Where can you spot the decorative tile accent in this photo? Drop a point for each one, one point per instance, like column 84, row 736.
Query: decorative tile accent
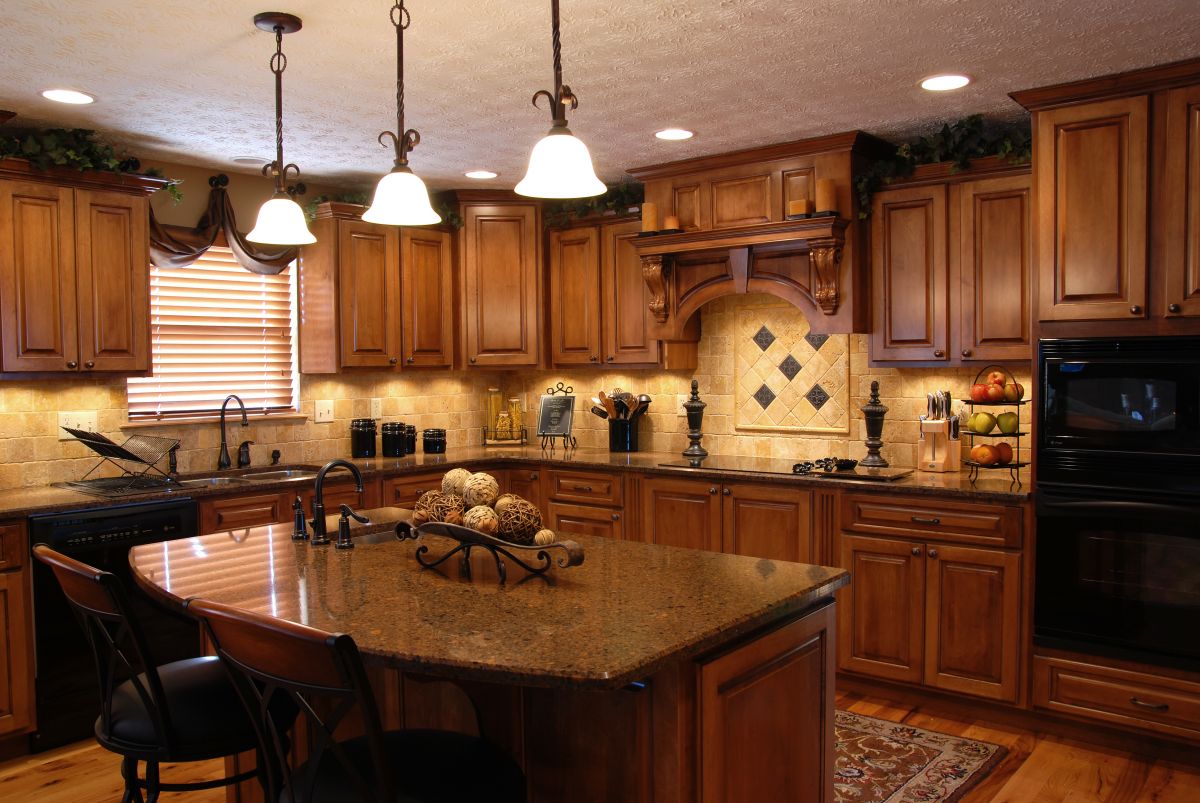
column 764, row 338
column 790, row 367
column 764, row 396
column 817, row 396
column 815, row 340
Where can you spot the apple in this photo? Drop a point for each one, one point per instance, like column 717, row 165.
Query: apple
column 995, row 393
column 1008, row 422
column 996, row 378
column 1014, row 392
column 979, row 392
column 1004, row 453
column 981, row 423
column 985, row 454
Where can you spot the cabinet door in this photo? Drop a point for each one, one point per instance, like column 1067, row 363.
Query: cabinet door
column 37, row 278
column 404, row 491
column 575, row 296
column 237, row 512
column 16, row 653
column 881, row 619
column 427, row 295
column 525, row 483
column 500, row 284
column 625, row 298
column 112, row 258
column 972, row 621
column 992, row 252
column 336, row 494
column 683, row 513
column 1090, row 172
column 584, row 519
column 909, row 272
column 765, row 521
column 368, row 294
column 1180, row 206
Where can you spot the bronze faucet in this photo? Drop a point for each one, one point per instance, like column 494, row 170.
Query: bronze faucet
column 223, row 461
column 319, row 535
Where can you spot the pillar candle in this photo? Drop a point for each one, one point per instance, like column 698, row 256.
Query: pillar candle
column 826, row 195
column 649, row 216
column 799, row 207
column 671, row 222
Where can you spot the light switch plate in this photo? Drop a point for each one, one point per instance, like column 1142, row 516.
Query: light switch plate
column 324, row 411
column 84, row 419
column 377, row 409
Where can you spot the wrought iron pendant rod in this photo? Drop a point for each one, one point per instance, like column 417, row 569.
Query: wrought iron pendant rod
column 562, row 97
column 403, row 140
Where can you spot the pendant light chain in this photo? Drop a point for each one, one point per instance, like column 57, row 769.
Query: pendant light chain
column 277, row 169
column 403, row 140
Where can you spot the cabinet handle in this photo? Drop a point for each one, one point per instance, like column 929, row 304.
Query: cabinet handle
column 410, row 360
column 712, row 491
column 471, row 360
column 72, row 365
column 924, row 520
column 966, row 352
column 1149, row 706
column 916, row 551
column 585, row 488
column 593, row 358
column 533, row 475
column 933, row 553
column 89, row 364
column 726, row 491
column 939, row 353
column 616, row 517
column 1135, row 310
column 1173, row 308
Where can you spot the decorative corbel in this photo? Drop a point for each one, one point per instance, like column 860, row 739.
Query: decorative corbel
column 825, row 254
column 655, row 276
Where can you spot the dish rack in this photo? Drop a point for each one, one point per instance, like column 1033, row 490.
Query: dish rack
column 137, row 450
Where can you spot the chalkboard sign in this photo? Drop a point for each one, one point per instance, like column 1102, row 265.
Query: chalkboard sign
column 554, row 416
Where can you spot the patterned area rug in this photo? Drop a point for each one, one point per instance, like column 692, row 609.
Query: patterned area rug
column 881, row 761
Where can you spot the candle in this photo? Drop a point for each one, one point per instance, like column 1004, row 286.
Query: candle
column 799, row 207
column 671, row 222
column 826, row 196
column 649, row 216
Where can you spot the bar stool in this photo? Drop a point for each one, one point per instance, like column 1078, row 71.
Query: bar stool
column 182, row 711
column 322, row 673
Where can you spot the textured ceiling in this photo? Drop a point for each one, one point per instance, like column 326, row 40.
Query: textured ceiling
column 188, row 82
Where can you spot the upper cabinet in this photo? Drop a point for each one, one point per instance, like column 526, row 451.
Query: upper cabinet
column 427, row 298
column 501, row 259
column 951, row 266
column 74, row 271
column 1181, row 204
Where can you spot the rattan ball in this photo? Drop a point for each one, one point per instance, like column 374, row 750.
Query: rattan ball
column 482, row 518
column 454, row 480
column 503, row 501
column 423, row 507
column 520, row 521
column 480, row 489
column 544, row 537
column 447, row 508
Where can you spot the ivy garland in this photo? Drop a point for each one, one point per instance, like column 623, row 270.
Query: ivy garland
column 443, row 207
column 78, row 148
column 959, row 142
column 618, row 200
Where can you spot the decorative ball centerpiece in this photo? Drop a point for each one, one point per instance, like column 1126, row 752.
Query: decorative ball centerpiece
column 454, row 481
column 543, row 537
column 423, row 507
column 480, row 489
column 520, row 521
column 448, row 508
column 503, row 501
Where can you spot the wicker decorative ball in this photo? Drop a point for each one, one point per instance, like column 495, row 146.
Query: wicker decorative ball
column 447, row 508
column 544, row 537
column 520, row 521
column 482, row 518
column 423, row 507
column 454, row 480
column 480, row 489
column 503, row 501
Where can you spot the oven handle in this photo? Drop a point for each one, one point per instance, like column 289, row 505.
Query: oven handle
column 1052, row 506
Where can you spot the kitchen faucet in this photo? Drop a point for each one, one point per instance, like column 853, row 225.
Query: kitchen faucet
column 319, row 535
column 223, row 461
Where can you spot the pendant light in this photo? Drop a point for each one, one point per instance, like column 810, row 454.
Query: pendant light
column 280, row 220
column 560, row 165
column 401, row 198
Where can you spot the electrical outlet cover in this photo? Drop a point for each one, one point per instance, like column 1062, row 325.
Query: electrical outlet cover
column 680, row 400
column 324, row 411
column 84, row 419
column 377, row 409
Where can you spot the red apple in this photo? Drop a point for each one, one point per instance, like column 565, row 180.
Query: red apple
column 996, row 378
column 1014, row 391
column 995, row 393
column 1004, row 453
column 979, row 392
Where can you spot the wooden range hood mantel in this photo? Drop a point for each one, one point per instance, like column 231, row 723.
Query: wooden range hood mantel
column 736, row 237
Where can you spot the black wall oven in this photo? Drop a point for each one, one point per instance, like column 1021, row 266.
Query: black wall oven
column 1118, row 500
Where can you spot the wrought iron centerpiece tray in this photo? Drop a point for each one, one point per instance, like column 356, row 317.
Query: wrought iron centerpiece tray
column 468, row 539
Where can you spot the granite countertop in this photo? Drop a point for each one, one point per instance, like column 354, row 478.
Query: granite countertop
column 629, row 610
column 990, row 487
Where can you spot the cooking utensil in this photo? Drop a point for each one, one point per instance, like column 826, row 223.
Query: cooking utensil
column 600, row 411
column 930, row 407
column 634, row 407
column 622, row 408
column 608, row 404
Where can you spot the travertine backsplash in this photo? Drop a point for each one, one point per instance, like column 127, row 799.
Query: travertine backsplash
column 31, row 454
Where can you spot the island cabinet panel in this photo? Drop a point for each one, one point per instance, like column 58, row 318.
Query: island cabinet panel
column 426, row 298
column 502, row 284
column 767, row 521
column 368, row 294
column 250, row 510
column 684, row 513
column 1179, row 210
column 1091, row 176
column 575, row 296
column 16, row 634
column 405, row 490
column 776, row 693
column 881, row 632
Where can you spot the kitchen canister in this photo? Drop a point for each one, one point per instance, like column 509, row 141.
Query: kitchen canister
column 393, row 439
column 362, row 437
column 410, row 438
column 623, row 435
column 433, row 441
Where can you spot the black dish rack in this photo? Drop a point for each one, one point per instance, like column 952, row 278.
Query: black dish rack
column 137, row 451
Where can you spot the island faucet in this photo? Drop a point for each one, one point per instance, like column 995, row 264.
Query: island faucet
column 319, row 535
column 223, row 461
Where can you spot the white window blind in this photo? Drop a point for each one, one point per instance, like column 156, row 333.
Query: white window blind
column 216, row 329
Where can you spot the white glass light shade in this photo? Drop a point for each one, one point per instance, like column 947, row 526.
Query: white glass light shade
column 560, row 167
column 401, row 199
column 281, row 222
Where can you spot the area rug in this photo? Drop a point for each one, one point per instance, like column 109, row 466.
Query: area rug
column 879, row 761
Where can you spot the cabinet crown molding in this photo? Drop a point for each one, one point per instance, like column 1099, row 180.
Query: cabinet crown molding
column 1137, row 82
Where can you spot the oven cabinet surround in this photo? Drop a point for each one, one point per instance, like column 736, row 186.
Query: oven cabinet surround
column 16, row 632
column 736, row 237
column 937, row 594
column 951, row 261
column 1117, row 202
column 373, row 296
column 74, row 271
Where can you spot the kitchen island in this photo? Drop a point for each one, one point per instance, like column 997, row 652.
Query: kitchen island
column 647, row 673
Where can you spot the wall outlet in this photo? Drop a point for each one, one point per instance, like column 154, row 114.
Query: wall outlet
column 85, row 420
column 324, row 411
column 377, row 409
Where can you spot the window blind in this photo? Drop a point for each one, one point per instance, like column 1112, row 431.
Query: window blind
column 216, row 329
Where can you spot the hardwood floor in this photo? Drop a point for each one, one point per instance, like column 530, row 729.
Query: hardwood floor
column 1039, row 768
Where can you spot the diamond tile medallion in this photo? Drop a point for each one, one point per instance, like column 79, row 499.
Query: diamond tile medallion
column 786, row 378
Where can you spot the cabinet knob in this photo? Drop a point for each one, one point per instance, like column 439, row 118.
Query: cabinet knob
column 533, row 475
column 726, row 491
column 89, row 364
column 616, row 517
column 712, row 490
column 393, row 361
column 1136, row 309
column 611, row 358
column 939, row 353
column 1173, row 308
column 471, row 360
column 966, row 352
column 933, row 553
column 916, row 551
column 593, row 358
column 72, row 365
column 410, row 360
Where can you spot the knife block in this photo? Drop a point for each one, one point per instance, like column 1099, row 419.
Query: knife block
column 935, row 451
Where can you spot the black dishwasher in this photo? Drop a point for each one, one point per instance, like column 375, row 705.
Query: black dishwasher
column 68, row 693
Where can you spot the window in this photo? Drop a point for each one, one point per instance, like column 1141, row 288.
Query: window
column 216, row 329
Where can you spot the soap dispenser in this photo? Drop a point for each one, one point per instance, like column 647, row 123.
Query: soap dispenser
column 343, row 539
column 300, row 530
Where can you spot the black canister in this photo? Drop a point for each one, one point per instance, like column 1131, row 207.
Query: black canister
column 393, row 439
column 410, row 439
column 623, row 435
column 362, row 437
column 433, row 441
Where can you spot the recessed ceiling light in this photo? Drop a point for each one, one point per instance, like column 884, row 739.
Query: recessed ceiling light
column 67, row 96
column 250, row 160
column 944, row 83
column 674, row 134
column 480, row 174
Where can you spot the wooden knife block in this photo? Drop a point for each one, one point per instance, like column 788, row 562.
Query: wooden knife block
column 935, row 451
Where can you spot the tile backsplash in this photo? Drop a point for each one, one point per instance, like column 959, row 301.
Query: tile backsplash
column 790, row 425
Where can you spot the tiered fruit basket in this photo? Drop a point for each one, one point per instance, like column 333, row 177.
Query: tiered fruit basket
column 984, row 399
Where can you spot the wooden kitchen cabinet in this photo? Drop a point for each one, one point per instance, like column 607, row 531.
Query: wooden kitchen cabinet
column 501, row 273
column 74, row 275
column 405, row 490
column 585, row 501
column 685, row 513
column 525, row 483
column 427, row 298
column 585, row 519
column 1179, row 210
column 248, row 510
column 16, row 633
column 765, row 521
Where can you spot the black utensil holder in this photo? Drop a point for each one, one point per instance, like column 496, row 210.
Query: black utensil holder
column 623, row 435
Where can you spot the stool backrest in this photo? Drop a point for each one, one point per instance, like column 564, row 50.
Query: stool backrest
column 323, row 675
column 118, row 644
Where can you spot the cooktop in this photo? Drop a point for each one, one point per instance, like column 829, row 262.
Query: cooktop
column 758, row 465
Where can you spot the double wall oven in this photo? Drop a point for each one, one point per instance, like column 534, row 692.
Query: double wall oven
column 1118, row 502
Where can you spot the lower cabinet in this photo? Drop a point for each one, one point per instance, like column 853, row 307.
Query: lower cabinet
column 16, row 632
column 585, row 502
column 584, row 519
column 525, row 483
column 249, row 510
column 405, row 490
column 684, row 513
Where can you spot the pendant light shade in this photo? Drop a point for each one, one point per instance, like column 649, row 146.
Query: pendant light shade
column 560, row 165
column 280, row 220
column 401, row 198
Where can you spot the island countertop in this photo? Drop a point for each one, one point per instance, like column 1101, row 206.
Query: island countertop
column 630, row 609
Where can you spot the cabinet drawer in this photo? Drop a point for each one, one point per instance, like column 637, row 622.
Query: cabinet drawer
column 589, row 487
column 404, row 491
column 568, row 519
column 12, row 547
column 236, row 512
column 964, row 522
column 1119, row 696
column 344, row 493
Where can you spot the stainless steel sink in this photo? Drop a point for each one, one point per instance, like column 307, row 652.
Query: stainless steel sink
column 213, row 482
column 277, row 475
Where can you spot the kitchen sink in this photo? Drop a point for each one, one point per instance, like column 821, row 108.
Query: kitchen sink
column 213, row 482
column 277, row 475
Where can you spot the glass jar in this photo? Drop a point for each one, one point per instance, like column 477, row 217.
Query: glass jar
column 517, row 415
column 493, row 403
column 393, row 439
column 362, row 437
column 410, row 438
column 433, row 441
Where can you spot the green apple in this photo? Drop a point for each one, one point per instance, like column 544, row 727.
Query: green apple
column 982, row 423
column 1008, row 423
